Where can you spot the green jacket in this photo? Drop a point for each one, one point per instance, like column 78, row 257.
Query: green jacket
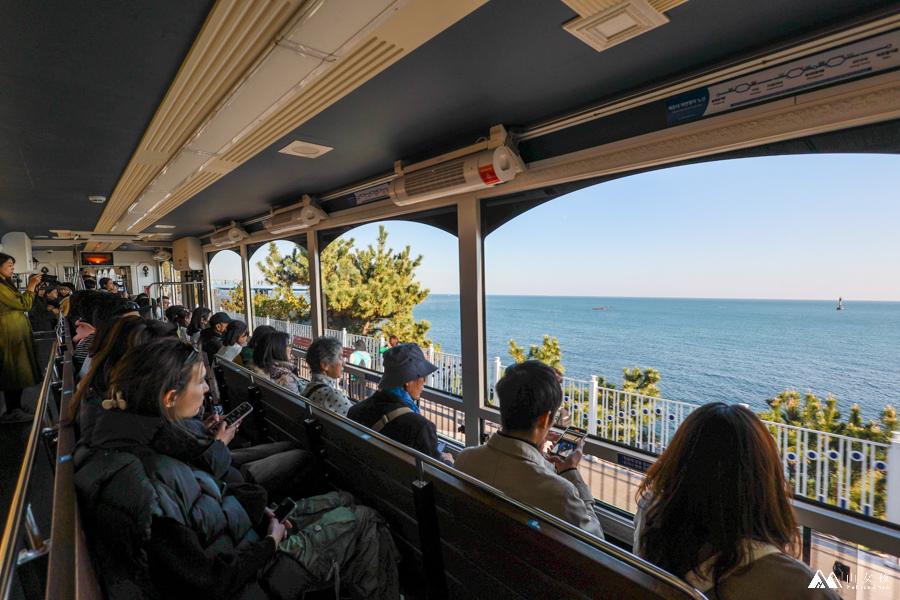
column 18, row 364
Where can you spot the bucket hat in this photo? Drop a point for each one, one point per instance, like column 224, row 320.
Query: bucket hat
column 404, row 363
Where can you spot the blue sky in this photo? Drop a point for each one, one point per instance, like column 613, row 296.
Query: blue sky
column 791, row 227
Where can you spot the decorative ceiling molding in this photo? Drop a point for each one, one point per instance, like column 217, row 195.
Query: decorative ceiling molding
column 604, row 23
column 232, row 38
column 241, row 69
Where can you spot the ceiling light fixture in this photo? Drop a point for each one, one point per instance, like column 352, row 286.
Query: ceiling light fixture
column 97, row 199
column 305, row 149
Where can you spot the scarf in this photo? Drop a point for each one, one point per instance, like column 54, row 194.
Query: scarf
column 407, row 399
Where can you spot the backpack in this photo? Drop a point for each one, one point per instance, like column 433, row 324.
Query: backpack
column 334, row 540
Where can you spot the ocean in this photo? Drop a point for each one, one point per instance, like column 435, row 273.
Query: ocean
column 705, row 350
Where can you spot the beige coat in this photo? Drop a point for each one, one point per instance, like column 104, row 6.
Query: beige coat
column 518, row 469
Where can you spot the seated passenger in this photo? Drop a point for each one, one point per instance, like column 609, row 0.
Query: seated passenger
column 512, row 460
column 326, row 363
column 211, row 337
column 393, row 410
column 180, row 317
column 163, row 529
column 199, row 320
column 233, row 339
column 108, row 310
column 271, row 359
column 247, row 351
column 715, row 510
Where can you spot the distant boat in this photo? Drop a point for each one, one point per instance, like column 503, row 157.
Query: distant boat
column 840, row 304
column 599, row 308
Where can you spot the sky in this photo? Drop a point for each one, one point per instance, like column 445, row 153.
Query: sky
column 788, row 227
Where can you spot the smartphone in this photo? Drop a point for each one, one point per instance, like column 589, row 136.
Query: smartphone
column 238, row 414
column 568, row 442
column 284, row 509
column 441, row 446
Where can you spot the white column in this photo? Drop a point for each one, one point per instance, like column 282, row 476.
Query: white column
column 344, row 340
column 471, row 314
column 892, row 493
column 248, row 293
column 592, row 406
column 316, row 298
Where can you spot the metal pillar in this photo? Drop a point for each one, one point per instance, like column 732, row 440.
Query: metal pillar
column 248, row 293
column 317, row 306
column 471, row 315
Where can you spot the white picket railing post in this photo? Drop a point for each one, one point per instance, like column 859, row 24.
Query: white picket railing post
column 892, row 493
column 344, row 342
column 429, row 354
column 592, row 405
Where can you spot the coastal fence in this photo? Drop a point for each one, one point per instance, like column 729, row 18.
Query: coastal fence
column 840, row 470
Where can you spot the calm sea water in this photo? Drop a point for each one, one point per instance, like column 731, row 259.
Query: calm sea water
column 706, row 350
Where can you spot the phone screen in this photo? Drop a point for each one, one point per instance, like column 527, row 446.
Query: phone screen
column 569, row 440
column 284, row 509
column 239, row 413
column 441, row 446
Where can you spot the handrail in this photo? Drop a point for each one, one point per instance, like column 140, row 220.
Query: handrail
column 582, row 536
column 17, row 509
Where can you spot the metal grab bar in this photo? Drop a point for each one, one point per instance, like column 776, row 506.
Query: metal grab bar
column 17, row 509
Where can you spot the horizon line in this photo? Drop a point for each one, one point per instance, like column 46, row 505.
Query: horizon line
column 663, row 297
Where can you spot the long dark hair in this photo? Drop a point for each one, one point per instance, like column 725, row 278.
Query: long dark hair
column 128, row 333
column 146, row 373
column 233, row 332
column 718, row 484
column 196, row 324
column 271, row 349
column 8, row 281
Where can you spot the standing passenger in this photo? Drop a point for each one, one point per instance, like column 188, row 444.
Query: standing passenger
column 18, row 364
column 715, row 510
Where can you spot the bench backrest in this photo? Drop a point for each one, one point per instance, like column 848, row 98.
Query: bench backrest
column 464, row 539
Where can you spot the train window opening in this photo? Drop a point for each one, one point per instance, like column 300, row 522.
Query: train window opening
column 397, row 282
column 279, row 284
column 226, row 283
column 658, row 292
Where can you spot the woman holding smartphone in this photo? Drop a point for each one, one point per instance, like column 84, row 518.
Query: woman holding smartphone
column 165, row 529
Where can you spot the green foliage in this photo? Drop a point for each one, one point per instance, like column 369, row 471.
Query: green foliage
column 281, row 306
column 369, row 291
column 548, row 353
column 813, row 413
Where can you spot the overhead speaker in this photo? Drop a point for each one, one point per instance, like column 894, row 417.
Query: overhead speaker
column 187, row 254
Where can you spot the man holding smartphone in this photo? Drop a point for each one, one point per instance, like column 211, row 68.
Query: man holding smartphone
column 513, row 461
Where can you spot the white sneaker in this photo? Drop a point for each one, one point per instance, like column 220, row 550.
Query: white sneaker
column 16, row 415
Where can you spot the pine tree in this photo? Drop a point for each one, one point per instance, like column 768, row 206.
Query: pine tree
column 548, row 353
column 369, row 291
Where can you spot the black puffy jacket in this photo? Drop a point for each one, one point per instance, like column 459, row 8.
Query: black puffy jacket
column 136, row 470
